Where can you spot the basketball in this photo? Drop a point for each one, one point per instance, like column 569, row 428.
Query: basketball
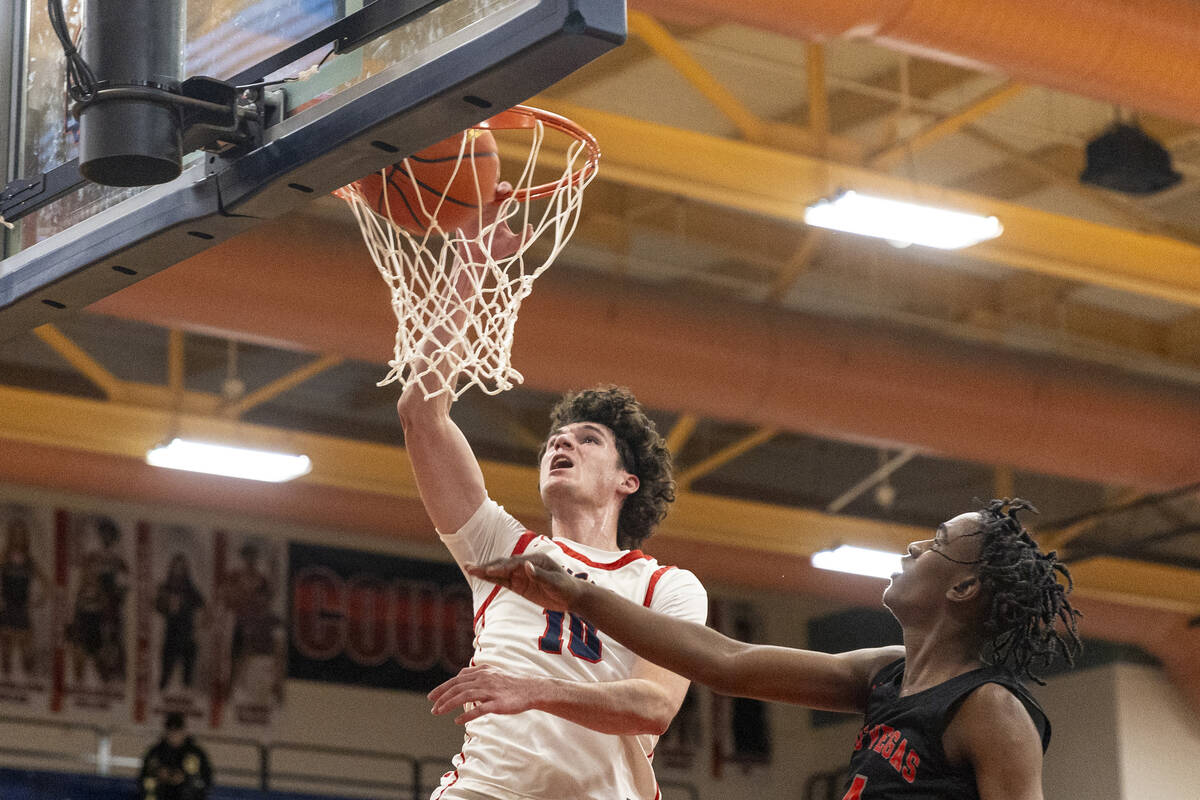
column 411, row 191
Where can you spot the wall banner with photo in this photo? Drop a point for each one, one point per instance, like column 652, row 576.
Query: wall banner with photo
column 249, row 634
column 175, row 663
column 28, row 608
column 368, row 619
column 94, row 556
column 114, row 619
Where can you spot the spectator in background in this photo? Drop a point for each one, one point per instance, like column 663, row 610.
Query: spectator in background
column 176, row 768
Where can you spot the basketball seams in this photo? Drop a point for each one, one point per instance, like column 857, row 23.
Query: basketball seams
column 426, row 187
column 384, row 209
column 443, row 159
column 437, row 186
column 431, row 190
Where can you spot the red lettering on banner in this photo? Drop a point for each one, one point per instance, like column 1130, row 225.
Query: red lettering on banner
column 913, row 761
column 318, row 613
column 367, row 616
column 418, row 640
column 418, row 623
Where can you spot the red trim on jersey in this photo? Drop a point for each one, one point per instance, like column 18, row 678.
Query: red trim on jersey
column 483, row 606
column 523, row 542
column 442, row 789
column 628, row 558
column 658, row 573
column 518, row 548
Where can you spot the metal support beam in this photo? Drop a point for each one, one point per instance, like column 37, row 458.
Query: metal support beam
column 680, row 432
column 724, row 456
column 750, row 126
column 1137, row 217
column 660, row 40
column 176, row 362
column 942, row 128
column 278, row 386
column 878, row 476
column 818, row 97
column 83, row 363
column 781, row 184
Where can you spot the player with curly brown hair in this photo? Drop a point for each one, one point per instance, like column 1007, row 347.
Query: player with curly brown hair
column 946, row 716
column 554, row 709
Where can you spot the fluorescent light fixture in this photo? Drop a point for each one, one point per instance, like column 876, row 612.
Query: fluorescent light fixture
column 233, row 462
column 858, row 561
column 902, row 223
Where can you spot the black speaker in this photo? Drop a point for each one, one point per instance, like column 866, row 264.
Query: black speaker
column 1125, row 159
column 132, row 44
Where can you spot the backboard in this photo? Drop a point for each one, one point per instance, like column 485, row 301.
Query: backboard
column 394, row 76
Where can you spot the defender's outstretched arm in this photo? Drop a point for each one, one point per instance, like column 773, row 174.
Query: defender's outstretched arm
column 819, row 680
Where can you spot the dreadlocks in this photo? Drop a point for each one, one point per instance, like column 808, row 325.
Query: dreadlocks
column 1026, row 598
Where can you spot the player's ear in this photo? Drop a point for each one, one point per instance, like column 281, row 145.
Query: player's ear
column 629, row 484
column 965, row 590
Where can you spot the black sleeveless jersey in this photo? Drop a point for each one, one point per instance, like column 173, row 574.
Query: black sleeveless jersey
column 898, row 752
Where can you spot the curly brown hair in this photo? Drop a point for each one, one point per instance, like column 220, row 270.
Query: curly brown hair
column 640, row 448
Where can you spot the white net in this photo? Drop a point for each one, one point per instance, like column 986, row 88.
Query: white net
column 456, row 301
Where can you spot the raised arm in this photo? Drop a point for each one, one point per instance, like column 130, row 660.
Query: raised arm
column 819, row 680
column 447, row 473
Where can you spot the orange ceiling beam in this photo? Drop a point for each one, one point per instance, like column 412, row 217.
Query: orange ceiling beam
column 1144, row 54
column 305, row 286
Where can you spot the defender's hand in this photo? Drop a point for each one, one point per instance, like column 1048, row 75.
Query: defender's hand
column 535, row 577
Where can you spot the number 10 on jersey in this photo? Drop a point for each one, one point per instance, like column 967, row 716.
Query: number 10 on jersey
column 584, row 641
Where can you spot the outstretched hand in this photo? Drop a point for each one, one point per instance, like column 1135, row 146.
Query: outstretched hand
column 535, row 577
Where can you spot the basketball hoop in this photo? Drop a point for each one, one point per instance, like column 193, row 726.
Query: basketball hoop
column 446, row 286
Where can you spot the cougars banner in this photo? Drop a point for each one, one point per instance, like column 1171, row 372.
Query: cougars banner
column 374, row 620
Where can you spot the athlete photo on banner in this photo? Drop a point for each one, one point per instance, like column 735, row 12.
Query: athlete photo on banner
column 174, row 654
column 97, row 553
column 248, row 632
column 26, row 607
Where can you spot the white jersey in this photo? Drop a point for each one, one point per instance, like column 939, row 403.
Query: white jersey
column 535, row 755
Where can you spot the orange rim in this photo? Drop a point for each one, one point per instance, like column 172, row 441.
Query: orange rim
column 519, row 117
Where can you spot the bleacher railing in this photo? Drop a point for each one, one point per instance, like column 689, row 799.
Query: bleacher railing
column 283, row 766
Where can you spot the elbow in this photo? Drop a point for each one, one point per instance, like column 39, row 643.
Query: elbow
column 658, row 719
